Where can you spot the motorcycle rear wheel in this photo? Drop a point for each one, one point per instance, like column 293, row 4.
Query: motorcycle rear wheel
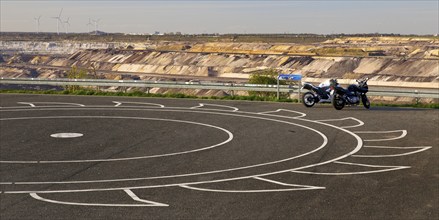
column 338, row 102
column 365, row 101
column 308, row 99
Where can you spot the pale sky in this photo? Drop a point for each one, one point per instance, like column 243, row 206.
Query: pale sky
column 227, row 16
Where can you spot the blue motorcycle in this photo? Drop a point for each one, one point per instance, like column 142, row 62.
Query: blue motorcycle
column 350, row 96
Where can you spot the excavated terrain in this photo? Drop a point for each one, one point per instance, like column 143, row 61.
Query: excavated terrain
column 235, row 65
column 396, row 60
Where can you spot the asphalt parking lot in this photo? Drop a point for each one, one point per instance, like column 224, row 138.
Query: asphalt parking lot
column 76, row 157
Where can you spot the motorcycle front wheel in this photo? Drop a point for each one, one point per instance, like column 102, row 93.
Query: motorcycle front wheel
column 308, row 99
column 365, row 101
column 338, row 102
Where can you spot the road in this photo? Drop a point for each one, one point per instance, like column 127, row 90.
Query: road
column 76, row 157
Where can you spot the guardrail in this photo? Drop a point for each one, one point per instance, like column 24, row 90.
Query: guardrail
column 147, row 84
column 404, row 92
column 373, row 91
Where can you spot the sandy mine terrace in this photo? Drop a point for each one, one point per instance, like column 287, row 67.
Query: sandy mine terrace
column 90, row 157
column 390, row 59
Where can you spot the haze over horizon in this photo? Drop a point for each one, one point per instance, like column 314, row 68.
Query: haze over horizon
column 251, row 16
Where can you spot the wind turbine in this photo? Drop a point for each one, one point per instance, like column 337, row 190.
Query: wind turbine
column 96, row 25
column 58, row 20
column 88, row 25
column 67, row 23
column 37, row 22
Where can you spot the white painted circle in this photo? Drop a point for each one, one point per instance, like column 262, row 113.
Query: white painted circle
column 248, row 115
column 66, row 135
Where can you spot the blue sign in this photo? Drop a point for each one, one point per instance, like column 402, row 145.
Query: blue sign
column 296, row 77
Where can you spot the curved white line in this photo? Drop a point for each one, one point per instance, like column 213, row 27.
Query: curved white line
column 224, row 106
column 179, row 109
column 285, row 184
column 420, row 149
column 325, row 141
column 39, row 107
column 363, row 165
column 230, row 138
column 285, row 110
column 27, row 103
column 148, row 203
column 136, row 198
column 32, row 104
column 198, row 106
column 140, row 103
column 355, row 150
column 249, row 191
column 390, row 168
column 360, row 123
column 352, row 173
column 403, row 134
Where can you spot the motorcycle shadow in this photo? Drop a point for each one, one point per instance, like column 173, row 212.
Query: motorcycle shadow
column 388, row 108
column 372, row 108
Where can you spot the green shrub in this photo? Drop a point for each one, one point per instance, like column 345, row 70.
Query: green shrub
column 266, row 77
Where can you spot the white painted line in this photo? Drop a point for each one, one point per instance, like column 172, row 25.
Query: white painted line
column 27, row 103
column 136, row 198
column 230, row 179
column 386, row 169
column 146, row 202
column 272, row 181
column 403, row 134
column 420, row 149
column 287, row 184
column 252, row 115
column 250, row 191
column 66, row 135
column 178, row 109
column 224, row 106
column 32, row 104
column 230, row 138
column 363, row 165
column 16, row 108
column 119, row 103
column 285, row 110
column 360, row 123
column 198, row 106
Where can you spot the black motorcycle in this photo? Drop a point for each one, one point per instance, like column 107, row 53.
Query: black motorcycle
column 316, row 94
column 350, row 96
